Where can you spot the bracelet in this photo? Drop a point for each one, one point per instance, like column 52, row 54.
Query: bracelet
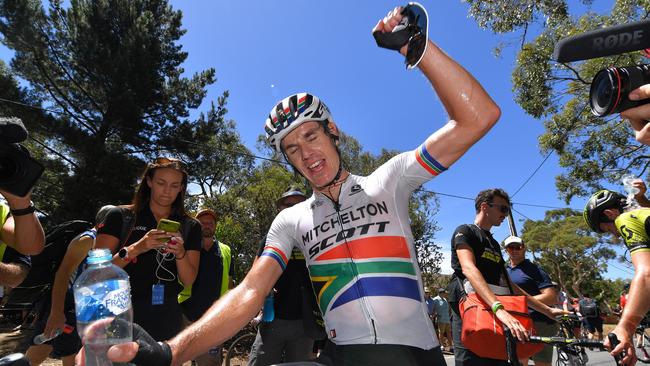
column 496, row 306
column 23, row 211
column 184, row 254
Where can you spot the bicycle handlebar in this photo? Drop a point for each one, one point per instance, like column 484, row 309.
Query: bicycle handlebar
column 561, row 341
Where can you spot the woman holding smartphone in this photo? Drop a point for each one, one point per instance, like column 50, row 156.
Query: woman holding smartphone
column 155, row 259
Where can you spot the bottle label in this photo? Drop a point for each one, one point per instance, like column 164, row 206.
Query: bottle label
column 102, row 300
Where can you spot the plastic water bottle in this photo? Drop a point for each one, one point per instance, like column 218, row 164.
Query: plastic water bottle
column 268, row 312
column 102, row 297
column 630, row 189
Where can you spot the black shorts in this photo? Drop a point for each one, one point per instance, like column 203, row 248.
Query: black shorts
column 379, row 355
column 66, row 344
column 594, row 324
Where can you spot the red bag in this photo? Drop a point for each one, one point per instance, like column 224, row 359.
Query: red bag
column 482, row 331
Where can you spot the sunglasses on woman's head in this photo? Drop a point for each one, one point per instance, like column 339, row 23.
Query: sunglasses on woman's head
column 164, row 161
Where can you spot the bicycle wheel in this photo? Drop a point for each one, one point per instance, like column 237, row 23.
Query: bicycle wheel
column 642, row 348
column 238, row 351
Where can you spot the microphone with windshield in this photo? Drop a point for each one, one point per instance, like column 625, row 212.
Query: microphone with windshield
column 610, row 87
column 604, row 42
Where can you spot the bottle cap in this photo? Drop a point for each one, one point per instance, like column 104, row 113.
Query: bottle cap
column 99, row 256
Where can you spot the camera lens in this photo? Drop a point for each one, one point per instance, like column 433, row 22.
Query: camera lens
column 605, row 93
column 611, row 86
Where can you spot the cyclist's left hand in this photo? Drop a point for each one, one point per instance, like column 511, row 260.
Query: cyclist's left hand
column 625, row 344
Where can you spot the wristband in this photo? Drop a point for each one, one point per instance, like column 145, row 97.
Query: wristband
column 496, row 306
column 23, row 211
column 184, row 254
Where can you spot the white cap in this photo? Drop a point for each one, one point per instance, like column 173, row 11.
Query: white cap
column 512, row 240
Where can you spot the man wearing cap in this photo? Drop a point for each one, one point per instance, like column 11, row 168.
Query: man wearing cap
column 441, row 309
column 535, row 281
column 213, row 279
column 293, row 330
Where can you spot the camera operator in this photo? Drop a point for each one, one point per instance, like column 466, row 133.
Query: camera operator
column 639, row 116
column 21, row 229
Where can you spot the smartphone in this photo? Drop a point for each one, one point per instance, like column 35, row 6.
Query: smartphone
column 168, row 226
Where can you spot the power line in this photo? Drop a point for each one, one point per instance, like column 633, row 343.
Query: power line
column 517, row 203
column 283, row 162
column 547, row 156
column 30, row 106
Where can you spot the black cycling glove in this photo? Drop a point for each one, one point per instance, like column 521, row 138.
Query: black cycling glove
column 150, row 353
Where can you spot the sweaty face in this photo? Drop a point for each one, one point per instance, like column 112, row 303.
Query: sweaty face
column 165, row 186
column 311, row 151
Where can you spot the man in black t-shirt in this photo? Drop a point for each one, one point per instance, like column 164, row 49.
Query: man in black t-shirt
column 293, row 301
column 479, row 267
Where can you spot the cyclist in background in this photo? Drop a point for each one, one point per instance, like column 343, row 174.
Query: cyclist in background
column 593, row 321
column 606, row 212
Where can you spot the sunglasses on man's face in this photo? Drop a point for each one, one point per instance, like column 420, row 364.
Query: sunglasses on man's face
column 503, row 208
column 515, row 247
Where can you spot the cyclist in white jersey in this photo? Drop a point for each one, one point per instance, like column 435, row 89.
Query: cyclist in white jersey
column 354, row 231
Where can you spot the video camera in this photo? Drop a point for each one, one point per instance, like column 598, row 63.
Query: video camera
column 18, row 170
column 610, row 87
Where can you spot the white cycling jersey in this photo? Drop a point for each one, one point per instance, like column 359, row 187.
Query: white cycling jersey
column 360, row 254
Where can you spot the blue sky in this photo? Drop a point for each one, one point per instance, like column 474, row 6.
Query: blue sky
column 265, row 50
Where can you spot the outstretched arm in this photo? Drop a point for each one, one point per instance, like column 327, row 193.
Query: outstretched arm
column 637, row 306
column 226, row 316
column 471, row 110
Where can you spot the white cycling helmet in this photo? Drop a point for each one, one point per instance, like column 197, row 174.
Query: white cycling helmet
column 290, row 113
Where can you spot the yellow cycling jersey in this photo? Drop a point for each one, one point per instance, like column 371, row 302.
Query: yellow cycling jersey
column 633, row 227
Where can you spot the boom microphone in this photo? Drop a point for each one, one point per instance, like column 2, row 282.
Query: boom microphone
column 604, row 42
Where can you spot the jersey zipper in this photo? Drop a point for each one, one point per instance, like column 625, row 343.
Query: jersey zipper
column 364, row 306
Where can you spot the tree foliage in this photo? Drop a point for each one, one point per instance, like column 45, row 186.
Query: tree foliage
column 568, row 251
column 592, row 150
column 110, row 72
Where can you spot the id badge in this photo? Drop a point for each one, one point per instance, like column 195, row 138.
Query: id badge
column 157, row 294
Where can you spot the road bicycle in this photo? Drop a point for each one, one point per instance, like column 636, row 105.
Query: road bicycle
column 570, row 354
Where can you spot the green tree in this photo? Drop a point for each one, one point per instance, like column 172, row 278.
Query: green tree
column 110, row 70
column 592, row 150
column 567, row 250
